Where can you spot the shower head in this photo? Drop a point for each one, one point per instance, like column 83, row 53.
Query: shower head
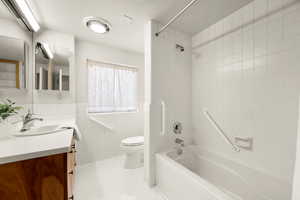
column 180, row 48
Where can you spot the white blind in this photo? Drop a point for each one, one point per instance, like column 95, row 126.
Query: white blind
column 111, row 88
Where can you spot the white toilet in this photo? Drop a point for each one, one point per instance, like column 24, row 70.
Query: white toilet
column 134, row 150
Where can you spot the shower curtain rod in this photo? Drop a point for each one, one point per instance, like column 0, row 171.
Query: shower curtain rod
column 176, row 16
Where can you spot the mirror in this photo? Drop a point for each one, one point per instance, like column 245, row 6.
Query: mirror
column 52, row 68
column 13, row 62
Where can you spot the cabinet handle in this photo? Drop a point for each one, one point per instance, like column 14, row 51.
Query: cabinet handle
column 72, row 197
column 71, row 172
column 73, row 146
column 73, row 151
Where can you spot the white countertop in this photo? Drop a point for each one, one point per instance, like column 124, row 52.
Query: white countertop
column 15, row 149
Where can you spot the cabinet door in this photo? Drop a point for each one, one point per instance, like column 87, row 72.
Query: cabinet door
column 12, row 183
column 35, row 179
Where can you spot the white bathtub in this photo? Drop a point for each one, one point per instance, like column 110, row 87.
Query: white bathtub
column 200, row 175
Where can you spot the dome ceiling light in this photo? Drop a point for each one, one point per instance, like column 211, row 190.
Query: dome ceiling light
column 97, row 25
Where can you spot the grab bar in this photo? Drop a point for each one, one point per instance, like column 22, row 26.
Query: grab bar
column 220, row 131
column 163, row 118
column 101, row 123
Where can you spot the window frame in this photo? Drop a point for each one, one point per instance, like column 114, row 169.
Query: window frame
column 115, row 66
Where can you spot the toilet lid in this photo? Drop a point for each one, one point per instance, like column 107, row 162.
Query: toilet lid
column 133, row 141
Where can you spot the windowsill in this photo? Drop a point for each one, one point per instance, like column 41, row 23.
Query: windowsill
column 16, row 90
column 52, row 91
column 112, row 113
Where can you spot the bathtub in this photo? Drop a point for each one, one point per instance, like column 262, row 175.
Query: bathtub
column 201, row 175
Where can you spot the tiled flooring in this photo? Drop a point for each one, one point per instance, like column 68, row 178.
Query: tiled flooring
column 107, row 180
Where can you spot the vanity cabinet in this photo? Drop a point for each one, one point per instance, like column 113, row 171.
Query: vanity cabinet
column 43, row 178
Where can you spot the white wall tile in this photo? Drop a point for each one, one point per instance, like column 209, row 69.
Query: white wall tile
column 253, row 88
column 248, row 43
column 260, row 8
column 247, row 13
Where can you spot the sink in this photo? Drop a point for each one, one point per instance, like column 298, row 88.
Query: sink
column 41, row 130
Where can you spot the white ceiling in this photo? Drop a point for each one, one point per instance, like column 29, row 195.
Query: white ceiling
column 4, row 13
column 66, row 16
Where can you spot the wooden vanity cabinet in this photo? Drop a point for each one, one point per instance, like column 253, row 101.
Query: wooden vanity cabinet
column 44, row 178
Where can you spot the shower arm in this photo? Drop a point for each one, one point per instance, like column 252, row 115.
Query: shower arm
column 220, row 131
column 176, row 16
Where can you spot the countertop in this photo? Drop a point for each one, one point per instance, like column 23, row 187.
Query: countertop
column 14, row 149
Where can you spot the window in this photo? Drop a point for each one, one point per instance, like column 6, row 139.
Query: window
column 111, row 88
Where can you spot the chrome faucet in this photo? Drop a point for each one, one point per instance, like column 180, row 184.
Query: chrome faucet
column 26, row 121
column 179, row 141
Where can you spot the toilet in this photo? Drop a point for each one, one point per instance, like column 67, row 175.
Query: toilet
column 134, row 150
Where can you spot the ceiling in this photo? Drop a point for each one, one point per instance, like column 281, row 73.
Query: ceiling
column 4, row 13
column 66, row 16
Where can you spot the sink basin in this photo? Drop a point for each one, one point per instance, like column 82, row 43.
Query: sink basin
column 42, row 130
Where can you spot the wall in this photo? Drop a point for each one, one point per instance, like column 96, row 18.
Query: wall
column 14, row 30
column 296, row 184
column 168, row 79
column 99, row 142
column 246, row 73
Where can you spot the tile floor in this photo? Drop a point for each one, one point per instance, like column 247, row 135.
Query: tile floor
column 107, row 180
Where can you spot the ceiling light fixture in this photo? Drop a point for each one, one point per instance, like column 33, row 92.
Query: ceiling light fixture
column 97, row 25
column 23, row 13
column 45, row 50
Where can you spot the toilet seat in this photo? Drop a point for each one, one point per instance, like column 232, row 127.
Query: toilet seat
column 133, row 141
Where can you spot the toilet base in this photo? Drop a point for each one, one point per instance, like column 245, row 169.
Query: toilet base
column 134, row 160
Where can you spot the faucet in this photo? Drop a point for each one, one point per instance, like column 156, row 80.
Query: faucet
column 180, row 144
column 179, row 141
column 26, row 121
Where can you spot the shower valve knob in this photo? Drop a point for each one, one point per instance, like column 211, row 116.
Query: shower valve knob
column 177, row 128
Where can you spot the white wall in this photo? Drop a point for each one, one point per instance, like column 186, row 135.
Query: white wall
column 246, row 73
column 168, row 79
column 98, row 142
column 296, row 185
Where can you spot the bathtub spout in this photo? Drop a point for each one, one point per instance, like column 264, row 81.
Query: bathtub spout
column 180, row 144
column 179, row 151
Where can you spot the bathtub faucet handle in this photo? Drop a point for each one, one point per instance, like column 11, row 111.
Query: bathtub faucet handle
column 179, row 141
